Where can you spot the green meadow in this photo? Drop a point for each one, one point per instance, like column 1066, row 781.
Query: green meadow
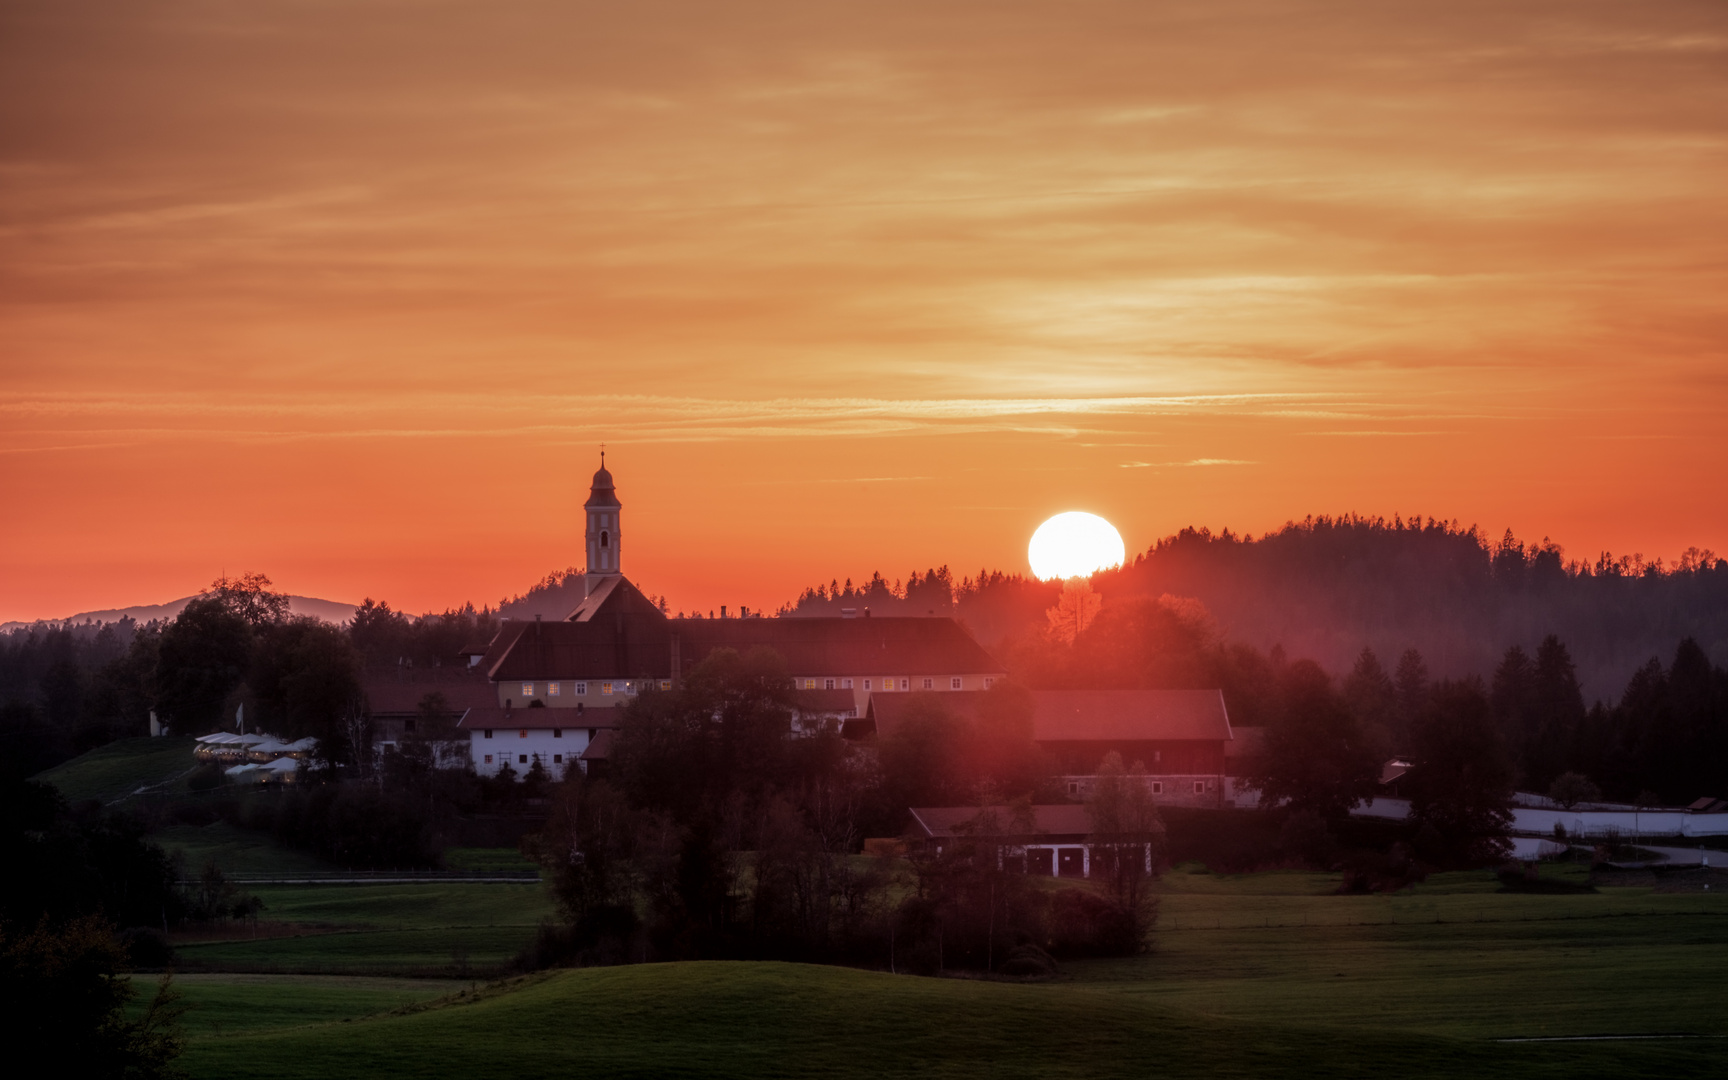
column 120, row 768
column 1253, row 975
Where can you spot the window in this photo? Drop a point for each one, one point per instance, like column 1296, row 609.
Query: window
column 1157, row 787
column 866, row 684
column 528, row 690
column 905, row 684
column 488, row 735
column 408, row 724
column 557, row 733
column 1199, row 787
column 954, row 683
column 665, row 684
column 809, row 684
column 846, row 684
column 929, row 684
column 1073, row 787
column 557, row 759
column 581, row 689
column 488, row 759
column 522, row 759
column 553, row 688
column 523, row 734
column 989, row 682
column 828, row 684
column 605, row 540
column 605, row 688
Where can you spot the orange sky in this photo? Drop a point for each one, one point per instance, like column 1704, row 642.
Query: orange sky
column 349, row 292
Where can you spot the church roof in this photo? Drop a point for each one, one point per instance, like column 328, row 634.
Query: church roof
column 618, row 633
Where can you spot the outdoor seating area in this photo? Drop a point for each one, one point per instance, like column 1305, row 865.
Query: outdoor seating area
column 256, row 757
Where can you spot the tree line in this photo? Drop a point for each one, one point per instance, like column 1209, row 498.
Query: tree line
column 1325, row 587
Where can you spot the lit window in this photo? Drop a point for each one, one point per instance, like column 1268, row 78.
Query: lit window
column 557, row 759
column 846, row 684
column 809, row 684
column 954, row 683
column 528, row 690
column 557, row 733
column 581, row 689
column 605, row 688
column 929, row 684
column 552, row 689
column 665, row 684
column 488, row 759
column 829, row 685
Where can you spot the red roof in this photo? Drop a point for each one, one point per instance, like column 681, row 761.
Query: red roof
column 498, row 719
column 889, row 711
column 1129, row 716
column 386, row 695
column 601, row 748
column 859, row 647
column 1055, row 819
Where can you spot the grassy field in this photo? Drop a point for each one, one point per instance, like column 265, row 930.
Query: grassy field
column 783, row 1020
column 118, row 769
column 380, row 929
column 1256, row 975
column 237, row 851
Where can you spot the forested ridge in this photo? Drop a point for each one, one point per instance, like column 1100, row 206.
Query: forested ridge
column 1327, row 587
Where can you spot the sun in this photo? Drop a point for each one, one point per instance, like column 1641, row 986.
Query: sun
column 1075, row 544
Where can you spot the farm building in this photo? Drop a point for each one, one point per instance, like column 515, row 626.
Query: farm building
column 1056, row 840
column 1182, row 738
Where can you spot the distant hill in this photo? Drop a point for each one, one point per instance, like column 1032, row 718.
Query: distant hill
column 328, row 610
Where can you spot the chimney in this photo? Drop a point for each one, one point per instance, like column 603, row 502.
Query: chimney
column 866, row 613
column 722, row 611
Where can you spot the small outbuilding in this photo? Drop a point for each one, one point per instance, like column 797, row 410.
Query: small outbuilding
column 1054, row 840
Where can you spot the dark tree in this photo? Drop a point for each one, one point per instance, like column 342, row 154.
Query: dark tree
column 203, row 657
column 1412, row 681
column 306, row 682
column 1372, row 695
column 63, row 986
column 1316, row 755
column 1460, row 782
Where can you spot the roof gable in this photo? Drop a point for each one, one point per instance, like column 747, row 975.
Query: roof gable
column 1129, row 716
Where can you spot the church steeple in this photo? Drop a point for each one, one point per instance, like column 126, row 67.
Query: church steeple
column 603, row 531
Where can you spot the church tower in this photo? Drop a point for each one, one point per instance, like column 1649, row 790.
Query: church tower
column 603, row 531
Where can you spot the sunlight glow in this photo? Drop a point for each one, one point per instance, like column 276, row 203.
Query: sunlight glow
column 1075, row 544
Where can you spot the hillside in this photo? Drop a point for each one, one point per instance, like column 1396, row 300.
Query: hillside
column 122, row 767
column 785, row 1020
